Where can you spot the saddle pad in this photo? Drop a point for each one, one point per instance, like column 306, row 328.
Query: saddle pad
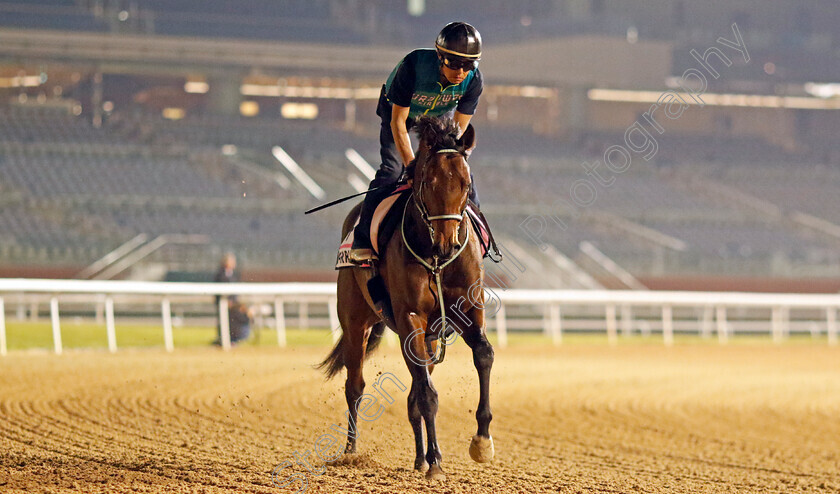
column 386, row 219
column 381, row 226
column 342, row 260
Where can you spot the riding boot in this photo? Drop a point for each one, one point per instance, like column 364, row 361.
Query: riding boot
column 362, row 251
column 472, row 195
column 379, row 296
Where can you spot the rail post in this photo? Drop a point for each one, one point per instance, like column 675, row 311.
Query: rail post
column 56, row 326
column 109, row 324
column 612, row 334
column 166, row 313
column 224, row 323
column 280, row 321
column 706, row 322
column 626, row 320
column 722, row 330
column 776, row 324
column 501, row 326
column 555, row 323
column 667, row 325
column 831, row 324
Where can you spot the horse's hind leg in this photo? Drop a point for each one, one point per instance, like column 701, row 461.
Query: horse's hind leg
column 356, row 319
column 354, row 387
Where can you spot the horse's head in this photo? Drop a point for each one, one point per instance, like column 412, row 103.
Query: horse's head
column 442, row 180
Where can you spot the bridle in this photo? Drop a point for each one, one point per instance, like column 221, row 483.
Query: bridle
column 436, row 266
column 424, row 212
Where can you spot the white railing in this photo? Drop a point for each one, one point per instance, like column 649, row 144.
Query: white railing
column 713, row 305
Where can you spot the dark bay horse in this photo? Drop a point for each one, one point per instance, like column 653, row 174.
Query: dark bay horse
column 435, row 230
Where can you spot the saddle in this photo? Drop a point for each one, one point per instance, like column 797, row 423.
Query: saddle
column 383, row 224
column 386, row 219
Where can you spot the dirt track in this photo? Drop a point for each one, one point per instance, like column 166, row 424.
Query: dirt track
column 581, row 418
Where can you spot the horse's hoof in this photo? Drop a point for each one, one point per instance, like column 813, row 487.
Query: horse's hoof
column 435, row 473
column 482, row 449
column 420, row 465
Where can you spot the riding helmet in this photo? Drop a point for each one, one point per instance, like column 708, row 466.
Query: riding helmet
column 459, row 41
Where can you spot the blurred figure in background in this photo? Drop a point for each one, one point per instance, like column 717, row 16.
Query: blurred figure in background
column 240, row 317
column 226, row 274
column 227, row 270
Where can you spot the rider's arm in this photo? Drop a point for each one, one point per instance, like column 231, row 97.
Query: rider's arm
column 399, row 114
column 466, row 106
column 462, row 120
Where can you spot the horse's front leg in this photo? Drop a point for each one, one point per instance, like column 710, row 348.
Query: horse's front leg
column 415, row 417
column 481, row 446
column 423, row 398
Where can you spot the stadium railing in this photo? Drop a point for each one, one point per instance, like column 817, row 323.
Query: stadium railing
column 712, row 305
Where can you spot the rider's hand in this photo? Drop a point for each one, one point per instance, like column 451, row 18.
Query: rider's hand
column 408, row 172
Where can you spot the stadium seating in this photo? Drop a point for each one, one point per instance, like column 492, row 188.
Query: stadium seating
column 73, row 192
column 807, row 188
column 49, row 14
column 56, row 175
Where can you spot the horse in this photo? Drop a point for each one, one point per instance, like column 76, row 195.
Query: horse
column 432, row 241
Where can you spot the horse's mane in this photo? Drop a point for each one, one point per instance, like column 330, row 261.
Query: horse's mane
column 438, row 133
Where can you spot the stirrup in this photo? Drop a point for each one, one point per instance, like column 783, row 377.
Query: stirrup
column 362, row 256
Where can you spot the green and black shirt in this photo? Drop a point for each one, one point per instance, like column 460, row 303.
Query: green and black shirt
column 415, row 83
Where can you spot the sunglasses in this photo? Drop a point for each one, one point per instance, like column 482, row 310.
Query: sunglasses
column 461, row 63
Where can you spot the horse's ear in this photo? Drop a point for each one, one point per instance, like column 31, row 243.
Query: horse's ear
column 467, row 139
column 424, row 127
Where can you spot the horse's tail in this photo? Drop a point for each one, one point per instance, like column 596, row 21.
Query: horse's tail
column 334, row 362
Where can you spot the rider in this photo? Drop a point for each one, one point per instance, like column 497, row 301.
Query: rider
column 426, row 82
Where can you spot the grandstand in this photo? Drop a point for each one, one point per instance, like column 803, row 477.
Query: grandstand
column 661, row 178
column 84, row 191
column 91, row 158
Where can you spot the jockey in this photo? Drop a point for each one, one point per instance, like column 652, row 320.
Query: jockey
column 426, row 82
